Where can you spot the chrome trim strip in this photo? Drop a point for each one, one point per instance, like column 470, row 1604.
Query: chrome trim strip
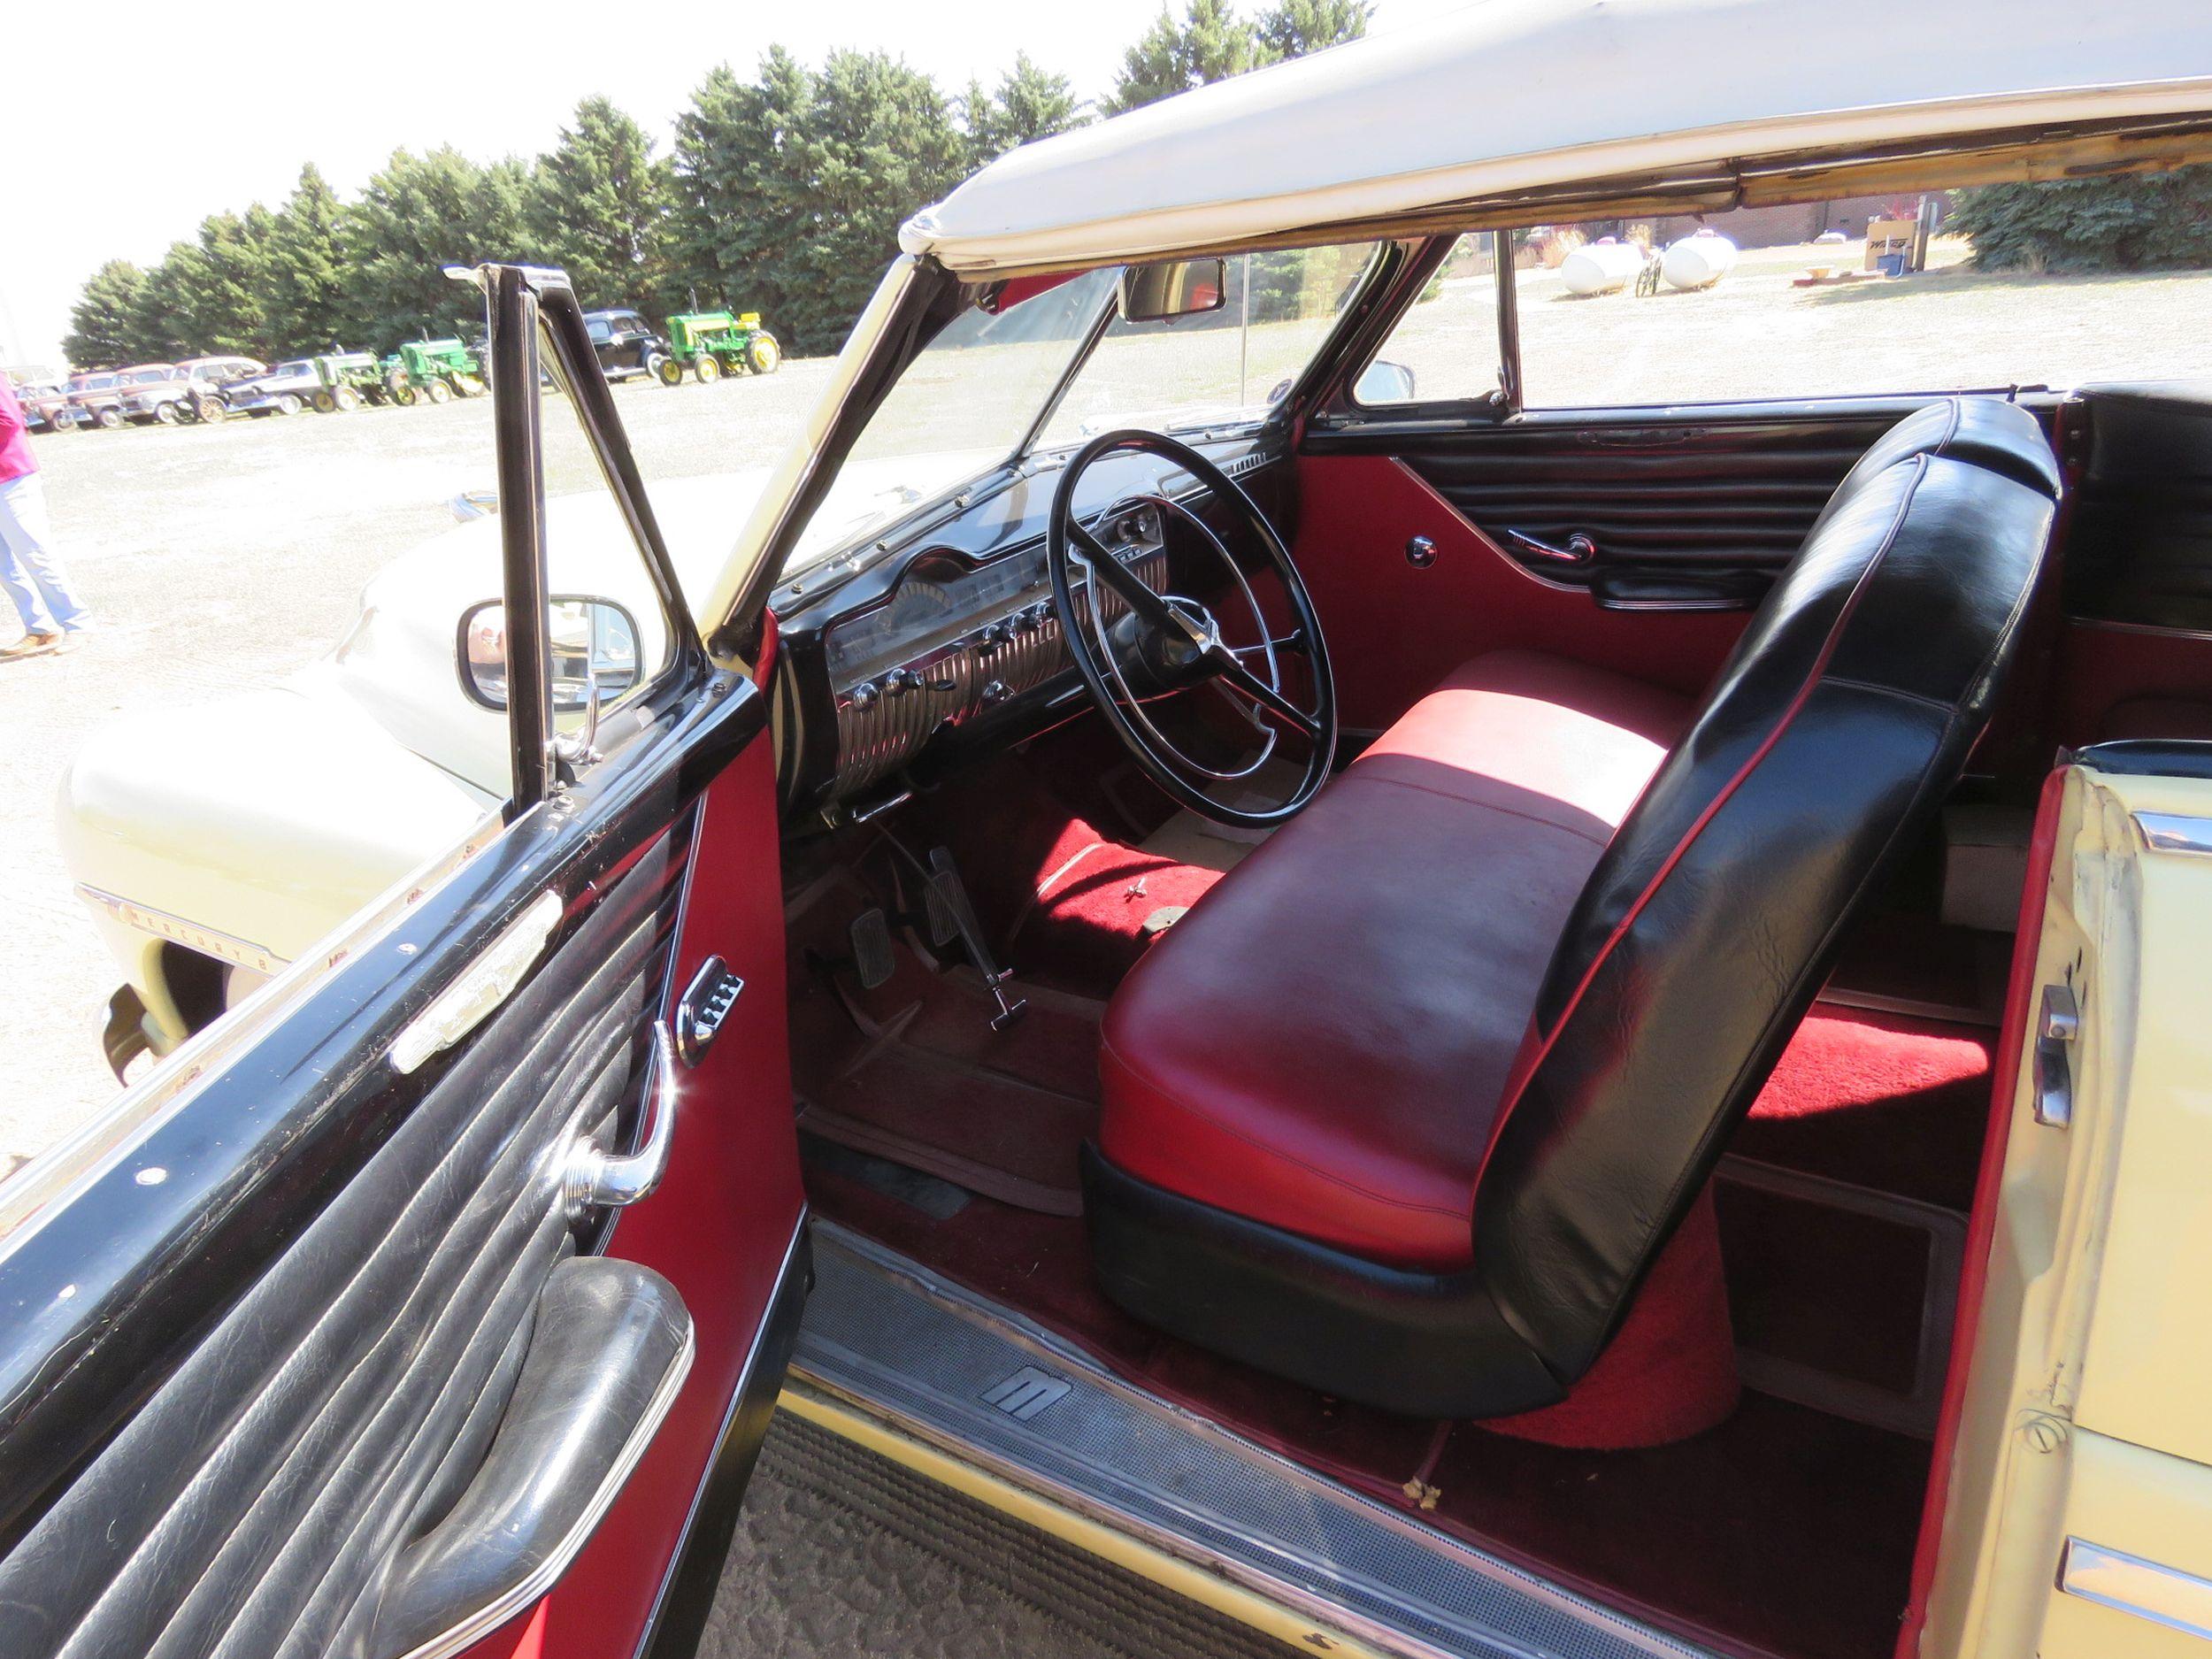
column 2129, row 1583
column 211, row 941
column 2175, row 832
column 490, row 1616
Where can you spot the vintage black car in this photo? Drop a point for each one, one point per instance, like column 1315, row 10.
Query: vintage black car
column 627, row 344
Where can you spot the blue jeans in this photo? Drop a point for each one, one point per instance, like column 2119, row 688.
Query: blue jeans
column 28, row 569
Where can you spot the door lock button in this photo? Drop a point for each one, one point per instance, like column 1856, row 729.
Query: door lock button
column 706, row 1004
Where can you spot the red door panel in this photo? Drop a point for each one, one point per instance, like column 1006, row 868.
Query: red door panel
column 1395, row 629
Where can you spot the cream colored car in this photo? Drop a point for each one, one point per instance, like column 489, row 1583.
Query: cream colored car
column 1550, row 1006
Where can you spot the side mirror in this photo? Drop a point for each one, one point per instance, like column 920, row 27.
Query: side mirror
column 1174, row 287
column 594, row 644
column 1384, row 382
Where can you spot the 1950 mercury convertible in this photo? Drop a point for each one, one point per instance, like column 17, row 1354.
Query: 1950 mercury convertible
column 1455, row 1012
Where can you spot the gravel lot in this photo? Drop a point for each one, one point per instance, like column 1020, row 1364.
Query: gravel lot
column 218, row 558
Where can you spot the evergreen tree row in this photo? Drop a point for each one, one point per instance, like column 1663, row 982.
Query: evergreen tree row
column 781, row 194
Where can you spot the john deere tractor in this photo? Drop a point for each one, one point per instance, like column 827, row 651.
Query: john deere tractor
column 712, row 344
column 349, row 379
column 437, row 370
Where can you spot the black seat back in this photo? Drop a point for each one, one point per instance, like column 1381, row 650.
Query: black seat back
column 1826, row 744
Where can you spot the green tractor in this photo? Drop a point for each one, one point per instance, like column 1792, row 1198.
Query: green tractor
column 349, row 379
column 712, row 344
column 437, row 370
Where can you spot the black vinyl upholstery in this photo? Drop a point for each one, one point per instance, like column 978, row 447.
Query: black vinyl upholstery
column 1826, row 744
column 258, row 1500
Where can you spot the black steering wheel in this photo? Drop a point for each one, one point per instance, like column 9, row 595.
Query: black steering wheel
column 1135, row 645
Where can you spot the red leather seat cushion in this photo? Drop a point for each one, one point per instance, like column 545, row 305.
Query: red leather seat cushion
column 1321, row 1044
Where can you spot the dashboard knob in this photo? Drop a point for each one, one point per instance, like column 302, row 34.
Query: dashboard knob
column 997, row 691
column 898, row 682
column 994, row 634
column 864, row 695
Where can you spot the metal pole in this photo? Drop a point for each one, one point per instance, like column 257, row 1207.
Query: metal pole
column 1244, row 331
column 1508, row 322
column 521, row 469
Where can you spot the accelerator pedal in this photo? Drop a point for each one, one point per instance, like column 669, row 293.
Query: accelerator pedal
column 871, row 936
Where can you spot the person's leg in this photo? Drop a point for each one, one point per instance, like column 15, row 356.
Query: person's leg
column 22, row 589
column 23, row 500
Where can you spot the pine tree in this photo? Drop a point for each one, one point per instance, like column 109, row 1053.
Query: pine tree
column 207, row 296
column 1211, row 44
column 742, row 201
column 1030, row 104
column 306, row 299
column 598, row 207
column 2124, row 222
column 1291, row 28
column 107, row 325
column 879, row 143
column 417, row 215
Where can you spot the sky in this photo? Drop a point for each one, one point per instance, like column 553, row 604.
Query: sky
column 129, row 130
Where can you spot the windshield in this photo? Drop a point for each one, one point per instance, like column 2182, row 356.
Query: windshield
column 968, row 400
column 962, row 406
column 1220, row 367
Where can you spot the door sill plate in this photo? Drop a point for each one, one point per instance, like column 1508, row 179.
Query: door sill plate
column 940, row 1364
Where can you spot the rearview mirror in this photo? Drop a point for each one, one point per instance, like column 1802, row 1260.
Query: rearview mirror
column 1174, row 287
column 594, row 644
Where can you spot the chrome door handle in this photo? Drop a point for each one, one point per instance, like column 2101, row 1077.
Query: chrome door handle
column 1579, row 549
column 597, row 1177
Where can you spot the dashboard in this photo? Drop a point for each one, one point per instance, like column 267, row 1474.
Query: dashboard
column 941, row 638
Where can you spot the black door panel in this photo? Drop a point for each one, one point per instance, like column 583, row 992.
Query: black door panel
column 312, row 1422
column 2139, row 548
column 1714, row 506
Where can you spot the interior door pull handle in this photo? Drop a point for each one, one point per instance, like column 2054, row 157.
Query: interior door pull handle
column 596, row 1177
column 1579, row 549
column 609, row 1348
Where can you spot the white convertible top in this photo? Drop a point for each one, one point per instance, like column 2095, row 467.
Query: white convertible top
column 1518, row 95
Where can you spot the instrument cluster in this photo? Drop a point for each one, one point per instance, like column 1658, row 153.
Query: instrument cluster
column 956, row 639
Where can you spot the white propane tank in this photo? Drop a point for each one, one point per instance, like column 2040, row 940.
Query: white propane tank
column 1699, row 260
column 1601, row 267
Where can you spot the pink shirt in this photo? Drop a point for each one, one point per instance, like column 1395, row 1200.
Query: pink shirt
column 15, row 459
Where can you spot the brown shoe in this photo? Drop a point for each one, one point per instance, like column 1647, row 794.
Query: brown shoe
column 32, row 645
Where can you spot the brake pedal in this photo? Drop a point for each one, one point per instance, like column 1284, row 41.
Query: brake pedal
column 871, row 936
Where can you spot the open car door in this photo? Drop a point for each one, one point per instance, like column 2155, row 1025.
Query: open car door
column 437, row 1301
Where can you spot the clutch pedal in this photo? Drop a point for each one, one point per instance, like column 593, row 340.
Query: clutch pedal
column 871, row 936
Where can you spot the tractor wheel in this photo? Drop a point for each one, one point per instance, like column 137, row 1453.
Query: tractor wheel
column 109, row 418
column 763, row 355
column 670, row 370
column 326, row 402
column 345, row 400
column 654, row 365
column 289, row 405
column 213, row 410
column 165, row 414
column 402, row 390
column 439, row 392
column 708, row 368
